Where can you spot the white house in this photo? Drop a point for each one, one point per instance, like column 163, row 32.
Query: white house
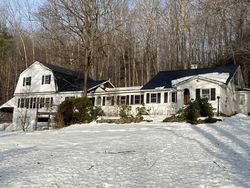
column 42, row 87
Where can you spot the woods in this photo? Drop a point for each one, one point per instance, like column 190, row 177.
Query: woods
column 124, row 40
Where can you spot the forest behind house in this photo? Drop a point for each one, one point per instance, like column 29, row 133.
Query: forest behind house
column 128, row 41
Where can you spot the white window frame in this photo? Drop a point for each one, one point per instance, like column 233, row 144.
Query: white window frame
column 206, row 95
column 174, row 93
column 123, row 100
column 27, row 81
column 46, row 79
column 153, row 99
column 209, row 95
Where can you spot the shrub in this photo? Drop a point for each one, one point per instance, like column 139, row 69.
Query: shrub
column 197, row 108
column 79, row 110
column 206, row 109
column 125, row 111
column 192, row 112
column 140, row 111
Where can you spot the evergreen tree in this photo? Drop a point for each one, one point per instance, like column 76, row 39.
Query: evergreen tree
column 5, row 43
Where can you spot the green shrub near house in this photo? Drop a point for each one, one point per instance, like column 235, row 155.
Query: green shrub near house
column 194, row 110
column 126, row 116
column 78, row 110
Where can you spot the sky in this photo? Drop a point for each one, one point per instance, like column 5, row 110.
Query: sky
column 21, row 10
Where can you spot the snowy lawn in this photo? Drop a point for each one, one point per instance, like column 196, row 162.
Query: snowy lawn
column 136, row 155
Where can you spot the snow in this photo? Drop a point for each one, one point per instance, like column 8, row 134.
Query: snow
column 154, row 154
column 219, row 77
column 124, row 88
column 9, row 104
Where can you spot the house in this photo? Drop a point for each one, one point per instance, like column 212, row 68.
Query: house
column 39, row 90
column 42, row 87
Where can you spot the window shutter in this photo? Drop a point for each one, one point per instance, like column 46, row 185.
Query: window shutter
column 198, row 93
column 49, row 79
column 147, row 101
column 24, row 81
column 158, row 97
column 51, row 101
column 103, row 101
column 43, row 80
column 132, row 99
column 166, row 97
column 118, row 100
column 127, row 99
column 30, row 81
column 142, row 99
column 213, row 94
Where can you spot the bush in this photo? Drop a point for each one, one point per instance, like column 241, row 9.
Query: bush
column 206, row 109
column 199, row 108
column 79, row 110
column 192, row 112
column 125, row 111
column 140, row 111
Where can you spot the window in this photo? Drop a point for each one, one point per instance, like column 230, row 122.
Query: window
column 98, row 101
column 110, row 101
column 46, row 79
column 242, row 99
column 47, row 102
column 41, row 102
column 27, row 103
column 153, row 98
column 22, row 103
column 26, row 81
column 137, row 99
column 123, row 99
column 210, row 94
column 166, row 97
column 174, row 97
column 205, row 93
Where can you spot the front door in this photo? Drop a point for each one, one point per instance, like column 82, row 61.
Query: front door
column 186, row 98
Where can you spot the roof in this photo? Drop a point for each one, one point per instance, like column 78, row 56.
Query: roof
column 132, row 88
column 62, row 70
column 9, row 104
column 164, row 78
column 69, row 80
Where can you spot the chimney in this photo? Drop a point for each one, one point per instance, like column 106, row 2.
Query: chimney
column 194, row 66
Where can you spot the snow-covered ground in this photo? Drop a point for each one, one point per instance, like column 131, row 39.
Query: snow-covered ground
column 136, row 155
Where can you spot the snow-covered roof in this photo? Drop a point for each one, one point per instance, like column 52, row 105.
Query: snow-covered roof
column 133, row 88
column 165, row 78
column 9, row 104
column 215, row 76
